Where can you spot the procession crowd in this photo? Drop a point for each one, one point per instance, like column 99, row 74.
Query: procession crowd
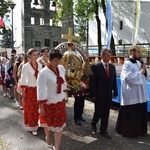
column 38, row 85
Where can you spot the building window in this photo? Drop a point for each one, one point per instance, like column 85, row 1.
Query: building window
column 52, row 6
column 47, row 42
column 60, row 24
column 37, row 43
column 121, row 25
column 41, row 21
column 32, row 20
column 50, row 22
column 55, row 43
column 120, row 41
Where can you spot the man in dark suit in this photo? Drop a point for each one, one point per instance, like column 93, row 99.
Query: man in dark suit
column 103, row 87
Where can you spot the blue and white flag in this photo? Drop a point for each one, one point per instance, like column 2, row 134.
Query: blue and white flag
column 7, row 23
column 109, row 21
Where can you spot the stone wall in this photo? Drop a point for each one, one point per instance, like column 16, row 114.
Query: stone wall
column 36, row 35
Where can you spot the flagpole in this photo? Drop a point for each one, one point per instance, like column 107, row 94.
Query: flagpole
column 12, row 30
column 136, row 21
column 12, row 5
column 118, row 24
column 109, row 21
column 133, row 29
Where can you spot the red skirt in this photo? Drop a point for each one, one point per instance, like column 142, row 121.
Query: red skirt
column 55, row 116
column 30, row 106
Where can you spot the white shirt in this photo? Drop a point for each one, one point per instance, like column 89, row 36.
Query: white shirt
column 104, row 64
column 27, row 75
column 133, row 84
column 47, row 85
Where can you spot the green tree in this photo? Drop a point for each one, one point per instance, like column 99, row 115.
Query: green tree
column 64, row 9
column 97, row 5
column 82, row 14
column 82, row 17
column 3, row 7
column 6, row 41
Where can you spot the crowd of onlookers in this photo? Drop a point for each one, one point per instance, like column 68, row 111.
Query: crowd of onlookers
column 9, row 75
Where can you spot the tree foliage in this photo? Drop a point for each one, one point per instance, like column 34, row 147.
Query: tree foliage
column 83, row 12
column 64, row 9
column 97, row 5
column 83, row 9
column 6, row 41
column 4, row 7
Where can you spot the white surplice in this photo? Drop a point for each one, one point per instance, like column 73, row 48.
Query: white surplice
column 133, row 84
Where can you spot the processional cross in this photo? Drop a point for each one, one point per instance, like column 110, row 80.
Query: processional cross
column 70, row 37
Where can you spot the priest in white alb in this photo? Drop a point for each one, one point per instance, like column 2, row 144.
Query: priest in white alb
column 132, row 118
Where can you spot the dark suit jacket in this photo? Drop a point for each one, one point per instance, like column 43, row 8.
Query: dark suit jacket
column 100, row 85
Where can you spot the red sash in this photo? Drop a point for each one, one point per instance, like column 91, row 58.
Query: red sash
column 60, row 80
column 35, row 69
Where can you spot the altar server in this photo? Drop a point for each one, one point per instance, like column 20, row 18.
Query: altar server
column 132, row 118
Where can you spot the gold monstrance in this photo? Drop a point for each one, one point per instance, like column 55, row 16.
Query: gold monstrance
column 73, row 65
column 70, row 60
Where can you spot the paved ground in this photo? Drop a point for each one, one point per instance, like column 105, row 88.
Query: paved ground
column 13, row 135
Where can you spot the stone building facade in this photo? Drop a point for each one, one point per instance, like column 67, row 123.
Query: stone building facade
column 37, row 27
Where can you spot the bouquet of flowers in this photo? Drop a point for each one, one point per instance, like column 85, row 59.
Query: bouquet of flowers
column 77, row 85
column 84, row 81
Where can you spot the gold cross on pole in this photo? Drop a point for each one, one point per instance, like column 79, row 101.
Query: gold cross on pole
column 70, row 37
